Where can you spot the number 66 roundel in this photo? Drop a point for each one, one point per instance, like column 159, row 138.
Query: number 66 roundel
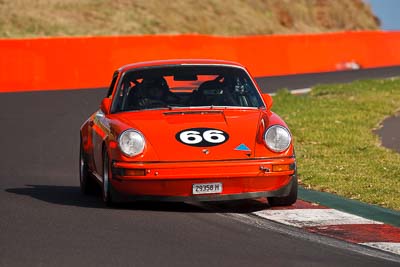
column 202, row 137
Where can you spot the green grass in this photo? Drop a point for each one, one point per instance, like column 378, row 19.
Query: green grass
column 336, row 148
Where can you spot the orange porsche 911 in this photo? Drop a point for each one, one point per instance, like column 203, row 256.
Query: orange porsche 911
column 187, row 130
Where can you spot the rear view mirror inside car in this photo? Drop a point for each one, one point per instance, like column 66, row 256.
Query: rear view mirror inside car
column 185, row 77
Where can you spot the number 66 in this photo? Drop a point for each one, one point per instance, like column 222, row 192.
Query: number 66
column 194, row 137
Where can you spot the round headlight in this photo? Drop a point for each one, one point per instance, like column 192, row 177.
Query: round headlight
column 131, row 142
column 277, row 138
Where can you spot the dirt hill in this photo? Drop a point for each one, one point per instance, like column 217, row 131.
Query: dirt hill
column 27, row 18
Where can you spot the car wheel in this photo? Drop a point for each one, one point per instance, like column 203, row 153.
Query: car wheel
column 106, row 192
column 287, row 200
column 86, row 182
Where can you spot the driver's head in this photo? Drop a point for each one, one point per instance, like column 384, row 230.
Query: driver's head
column 155, row 91
column 155, row 88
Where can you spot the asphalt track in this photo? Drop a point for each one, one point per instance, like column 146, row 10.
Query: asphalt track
column 45, row 221
column 272, row 83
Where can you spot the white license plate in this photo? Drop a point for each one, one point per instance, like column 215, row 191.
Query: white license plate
column 210, row 188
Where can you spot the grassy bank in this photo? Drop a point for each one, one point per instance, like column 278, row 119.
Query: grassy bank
column 336, row 148
column 27, row 18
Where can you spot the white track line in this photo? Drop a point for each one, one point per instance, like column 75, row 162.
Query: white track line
column 300, row 91
column 312, row 217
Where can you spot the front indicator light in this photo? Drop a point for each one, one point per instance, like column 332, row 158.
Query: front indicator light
column 129, row 172
column 281, row 168
column 135, row 172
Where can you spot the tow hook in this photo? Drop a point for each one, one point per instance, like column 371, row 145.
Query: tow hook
column 264, row 169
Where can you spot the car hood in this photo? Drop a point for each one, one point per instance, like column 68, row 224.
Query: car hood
column 196, row 135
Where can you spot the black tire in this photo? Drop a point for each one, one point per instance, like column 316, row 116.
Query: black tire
column 86, row 182
column 106, row 185
column 287, row 200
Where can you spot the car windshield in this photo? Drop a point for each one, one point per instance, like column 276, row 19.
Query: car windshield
column 186, row 86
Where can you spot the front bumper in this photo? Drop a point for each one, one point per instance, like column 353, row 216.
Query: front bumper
column 172, row 181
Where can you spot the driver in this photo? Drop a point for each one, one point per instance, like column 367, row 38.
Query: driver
column 156, row 93
column 152, row 95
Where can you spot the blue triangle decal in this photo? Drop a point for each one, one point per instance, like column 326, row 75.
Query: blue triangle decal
column 242, row 147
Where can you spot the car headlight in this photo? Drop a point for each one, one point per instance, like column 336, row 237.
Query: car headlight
column 131, row 142
column 277, row 138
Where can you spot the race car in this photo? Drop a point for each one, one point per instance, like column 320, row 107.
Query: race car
column 187, row 130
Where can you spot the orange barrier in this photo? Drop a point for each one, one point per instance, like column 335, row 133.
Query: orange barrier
column 87, row 62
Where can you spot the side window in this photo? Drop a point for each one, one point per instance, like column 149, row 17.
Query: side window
column 112, row 85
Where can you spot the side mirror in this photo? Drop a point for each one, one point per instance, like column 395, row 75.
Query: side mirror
column 268, row 100
column 106, row 105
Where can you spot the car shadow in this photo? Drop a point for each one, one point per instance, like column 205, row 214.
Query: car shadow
column 72, row 196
